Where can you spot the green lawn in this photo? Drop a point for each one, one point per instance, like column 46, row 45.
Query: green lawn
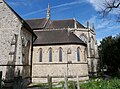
column 90, row 84
column 102, row 84
column 98, row 84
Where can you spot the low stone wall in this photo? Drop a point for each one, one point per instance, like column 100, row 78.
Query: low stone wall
column 58, row 71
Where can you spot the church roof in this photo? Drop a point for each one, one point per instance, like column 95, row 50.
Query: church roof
column 56, row 37
column 65, row 24
column 54, row 24
column 37, row 23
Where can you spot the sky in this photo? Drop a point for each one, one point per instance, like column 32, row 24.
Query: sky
column 82, row 10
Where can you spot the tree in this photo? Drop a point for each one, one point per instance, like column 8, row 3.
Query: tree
column 111, row 6
column 109, row 51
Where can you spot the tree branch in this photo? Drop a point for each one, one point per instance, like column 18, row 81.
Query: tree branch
column 108, row 6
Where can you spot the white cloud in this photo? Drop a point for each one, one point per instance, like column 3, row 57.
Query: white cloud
column 33, row 12
column 99, row 5
column 100, row 23
column 98, row 41
column 54, row 7
column 114, row 27
column 69, row 4
column 93, row 19
column 103, row 24
column 96, row 4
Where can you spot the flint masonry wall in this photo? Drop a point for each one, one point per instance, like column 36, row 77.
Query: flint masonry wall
column 11, row 46
column 58, row 69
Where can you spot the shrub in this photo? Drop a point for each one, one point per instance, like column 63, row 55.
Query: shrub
column 102, row 84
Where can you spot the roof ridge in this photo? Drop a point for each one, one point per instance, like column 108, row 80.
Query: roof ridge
column 62, row 19
column 34, row 19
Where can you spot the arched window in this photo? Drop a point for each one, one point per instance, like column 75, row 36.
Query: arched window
column 60, row 54
column 78, row 54
column 40, row 55
column 50, row 54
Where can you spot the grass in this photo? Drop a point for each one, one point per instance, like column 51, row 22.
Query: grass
column 102, row 84
column 90, row 84
column 97, row 84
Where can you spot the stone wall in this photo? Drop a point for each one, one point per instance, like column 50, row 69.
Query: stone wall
column 9, row 26
column 12, row 33
column 92, row 48
column 55, row 51
column 58, row 69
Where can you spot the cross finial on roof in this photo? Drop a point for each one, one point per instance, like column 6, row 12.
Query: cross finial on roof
column 48, row 12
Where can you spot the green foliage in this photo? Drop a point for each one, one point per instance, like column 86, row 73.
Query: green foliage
column 102, row 84
column 70, row 85
column 114, row 84
column 91, row 84
column 62, row 82
column 109, row 52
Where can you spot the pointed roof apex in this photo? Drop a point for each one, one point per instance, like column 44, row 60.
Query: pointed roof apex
column 48, row 5
column 48, row 11
column 93, row 28
column 74, row 18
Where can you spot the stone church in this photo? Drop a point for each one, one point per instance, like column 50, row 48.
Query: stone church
column 63, row 48
column 16, row 44
column 35, row 48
